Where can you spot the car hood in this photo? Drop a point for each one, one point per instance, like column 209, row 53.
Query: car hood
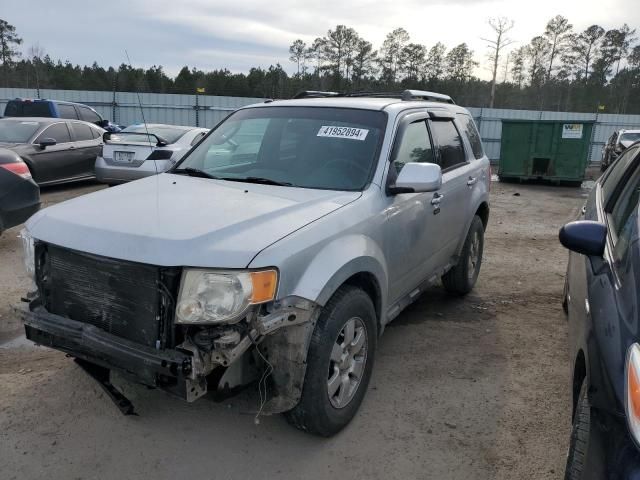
column 175, row 220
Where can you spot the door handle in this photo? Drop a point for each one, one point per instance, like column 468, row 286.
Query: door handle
column 72, row 147
column 437, row 197
column 472, row 181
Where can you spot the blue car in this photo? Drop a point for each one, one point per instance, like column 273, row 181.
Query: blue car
column 39, row 107
column 602, row 301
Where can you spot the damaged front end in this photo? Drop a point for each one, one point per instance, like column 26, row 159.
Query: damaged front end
column 137, row 319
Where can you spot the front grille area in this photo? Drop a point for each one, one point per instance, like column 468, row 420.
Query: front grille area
column 130, row 300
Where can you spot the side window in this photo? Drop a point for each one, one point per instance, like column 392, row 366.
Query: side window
column 623, row 216
column 88, row 115
column 58, row 131
column 414, row 147
column 471, row 131
column 615, row 172
column 449, row 143
column 81, row 132
column 67, row 111
column 197, row 138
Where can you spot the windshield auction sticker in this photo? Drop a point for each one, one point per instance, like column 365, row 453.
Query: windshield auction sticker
column 343, row 132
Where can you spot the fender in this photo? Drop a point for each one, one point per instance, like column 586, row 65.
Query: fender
column 337, row 262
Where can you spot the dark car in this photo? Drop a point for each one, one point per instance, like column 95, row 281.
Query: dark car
column 56, row 151
column 616, row 144
column 41, row 107
column 602, row 301
column 19, row 194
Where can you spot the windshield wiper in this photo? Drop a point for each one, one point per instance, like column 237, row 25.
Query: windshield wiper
column 194, row 172
column 261, row 180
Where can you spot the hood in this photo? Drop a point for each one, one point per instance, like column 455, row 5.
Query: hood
column 175, row 220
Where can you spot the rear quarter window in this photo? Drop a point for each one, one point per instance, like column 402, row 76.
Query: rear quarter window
column 471, row 131
column 88, row 115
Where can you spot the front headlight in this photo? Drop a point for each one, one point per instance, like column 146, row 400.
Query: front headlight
column 632, row 390
column 28, row 253
column 214, row 296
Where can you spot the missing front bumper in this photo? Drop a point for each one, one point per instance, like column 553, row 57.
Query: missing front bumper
column 169, row 370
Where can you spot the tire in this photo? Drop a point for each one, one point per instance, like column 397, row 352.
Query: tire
column 460, row 279
column 320, row 411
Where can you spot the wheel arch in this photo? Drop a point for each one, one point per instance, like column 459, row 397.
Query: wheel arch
column 483, row 212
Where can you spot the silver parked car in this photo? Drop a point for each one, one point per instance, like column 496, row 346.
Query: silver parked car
column 276, row 251
column 142, row 150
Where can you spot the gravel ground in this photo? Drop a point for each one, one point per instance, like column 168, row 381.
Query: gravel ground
column 462, row 388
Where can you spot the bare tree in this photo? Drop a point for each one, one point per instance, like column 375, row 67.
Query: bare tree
column 36, row 54
column 501, row 27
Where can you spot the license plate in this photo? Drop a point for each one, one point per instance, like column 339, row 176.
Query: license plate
column 126, row 157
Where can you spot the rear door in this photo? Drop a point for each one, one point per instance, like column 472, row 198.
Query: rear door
column 66, row 111
column 87, row 148
column 459, row 177
column 56, row 162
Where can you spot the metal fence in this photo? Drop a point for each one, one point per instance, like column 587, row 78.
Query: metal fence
column 207, row 110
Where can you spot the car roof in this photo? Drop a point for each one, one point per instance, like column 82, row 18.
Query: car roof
column 364, row 103
column 65, row 102
column 165, row 125
column 624, row 130
column 47, row 120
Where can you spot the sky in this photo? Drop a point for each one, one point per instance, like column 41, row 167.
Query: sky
column 240, row 34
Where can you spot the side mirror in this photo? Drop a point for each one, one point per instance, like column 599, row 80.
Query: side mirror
column 418, row 177
column 585, row 237
column 47, row 142
column 103, row 123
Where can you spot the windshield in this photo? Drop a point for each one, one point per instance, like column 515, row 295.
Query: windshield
column 323, row 148
column 170, row 134
column 15, row 131
column 630, row 137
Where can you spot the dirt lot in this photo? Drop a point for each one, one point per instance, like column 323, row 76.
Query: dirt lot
column 462, row 389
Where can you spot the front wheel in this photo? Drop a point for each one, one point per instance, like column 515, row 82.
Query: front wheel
column 584, row 461
column 461, row 278
column 339, row 364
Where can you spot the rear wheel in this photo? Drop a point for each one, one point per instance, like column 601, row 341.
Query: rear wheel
column 462, row 277
column 339, row 364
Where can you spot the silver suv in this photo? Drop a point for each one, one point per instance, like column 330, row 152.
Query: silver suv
column 275, row 252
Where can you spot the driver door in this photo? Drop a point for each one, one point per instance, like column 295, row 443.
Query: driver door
column 55, row 162
column 412, row 218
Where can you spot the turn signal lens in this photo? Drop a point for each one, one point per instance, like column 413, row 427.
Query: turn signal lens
column 633, row 391
column 264, row 286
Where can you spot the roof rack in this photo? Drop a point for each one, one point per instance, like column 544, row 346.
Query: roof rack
column 316, row 94
column 406, row 95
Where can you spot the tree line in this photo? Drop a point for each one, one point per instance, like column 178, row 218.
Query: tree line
column 561, row 69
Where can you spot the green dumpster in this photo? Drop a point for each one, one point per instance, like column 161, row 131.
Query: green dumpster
column 544, row 149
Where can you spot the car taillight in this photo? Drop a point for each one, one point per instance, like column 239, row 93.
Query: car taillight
column 19, row 168
column 632, row 390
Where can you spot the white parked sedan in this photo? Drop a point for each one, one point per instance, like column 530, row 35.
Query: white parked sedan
column 142, row 150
